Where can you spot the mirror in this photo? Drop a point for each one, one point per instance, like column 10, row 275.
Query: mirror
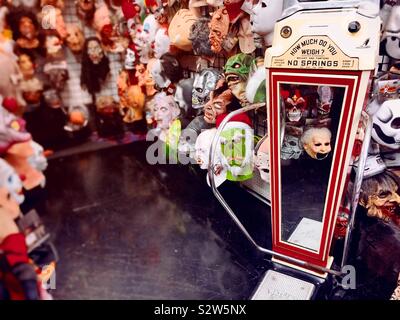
column 310, row 116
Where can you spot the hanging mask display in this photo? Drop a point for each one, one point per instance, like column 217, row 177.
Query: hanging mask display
column 236, row 71
column 32, row 90
column 11, row 194
column 75, row 38
column 379, row 195
column 391, row 34
column 78, row 118
column 166, row 71
column 149, row 82
column 203, row 146
column 261, row 159
column 236, row 147
column 161, row 43
column 317, row 142
column 199, row 36
column 263, row 18
column 135, row 102
column 85, row 10
column 179, row 29
column 204, row 83
column 219, row 28
column 385, row 128
column 57, row 72
column 291, row 148
column 145, row 38
column 26, row 66
column 218, row 105
column 25, row 27
column 95, row 65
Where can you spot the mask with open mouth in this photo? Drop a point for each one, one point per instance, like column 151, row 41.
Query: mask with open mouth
column 236, row 71
column 386, row 124
column 379, row 195
column 317, row 142
column 295, row 107
column 204, row 83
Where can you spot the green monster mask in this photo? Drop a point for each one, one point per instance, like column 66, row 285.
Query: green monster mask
column 236, row 150
column 237, row 70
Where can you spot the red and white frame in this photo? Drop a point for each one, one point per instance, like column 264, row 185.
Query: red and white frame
column 356, row 85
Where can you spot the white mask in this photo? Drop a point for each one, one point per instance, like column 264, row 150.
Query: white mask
column 130, row 59
column 203, row 146
column 264, row 16
column 161, row 44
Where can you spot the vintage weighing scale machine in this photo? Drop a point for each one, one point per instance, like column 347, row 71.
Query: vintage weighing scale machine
column 319, row 74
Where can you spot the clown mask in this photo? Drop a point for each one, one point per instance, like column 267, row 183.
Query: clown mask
column 379, row 195
column 295, row 107
column 165, row 110
column 324, row 102
column 11, row 194
column 264, row 16
column 203, row 84
column 219, row 28
column 75, row 38
column 179, row 29
column 317, row 142
column 236, row 71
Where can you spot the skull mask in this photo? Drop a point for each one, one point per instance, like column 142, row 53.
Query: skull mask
column 386, row 124
column 203, row 84
column 294, row 108
column 290, row 148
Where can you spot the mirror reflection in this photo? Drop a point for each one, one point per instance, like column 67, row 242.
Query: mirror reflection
column 310, row 118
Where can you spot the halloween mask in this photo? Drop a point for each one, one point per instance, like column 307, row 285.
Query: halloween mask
column 203, row 146
column 53, row 45
column 27, row 31
column 57, row 73
column 324, row 102
column 317, row 142
column 53, row 3
column 95, row 65
column 141, row 74
column 130, row 58
column 215, row 3
column 101, row 18
column 135, row 105
column 11, row 195
column 219, row 28
column 38, row 159
column 391, row 35
column 183, row 95
column 12, row 130
column 26, row 66
column 18, row 157
column 29, row 4
column 179, row 29
column 85, row 9
column 166, row 70
column 386, row 124
column 379, row 195
column 294, row 107
column 165, row 110
column 236, row 146
column 199, row 35
column 217, row 105
column 161, row 44
column 32, row 90
column 203, row 84
column 236, row 71
column 264, row 16
column 149, row 82
column 75, row 38
column 52, row 98
column 261, row 159
column 291, row 148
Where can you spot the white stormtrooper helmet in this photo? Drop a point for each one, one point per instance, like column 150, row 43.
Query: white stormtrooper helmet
column 386, row 124
column 291, row 148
